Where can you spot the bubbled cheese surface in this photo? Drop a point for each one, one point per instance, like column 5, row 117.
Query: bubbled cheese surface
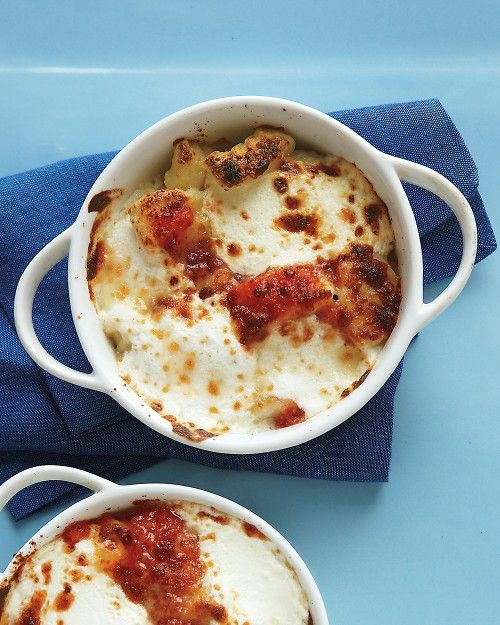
column 242, row 572
column 191, row 367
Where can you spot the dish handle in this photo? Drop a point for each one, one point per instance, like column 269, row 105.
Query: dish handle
column 49, row 472
column 41, row 264
column 434, row 182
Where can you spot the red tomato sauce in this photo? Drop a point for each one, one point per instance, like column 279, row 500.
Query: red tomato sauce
column 278, row 294
column 150, row 553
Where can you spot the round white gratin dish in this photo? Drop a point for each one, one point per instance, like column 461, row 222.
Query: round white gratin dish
column 233, row 118
column 109, row 497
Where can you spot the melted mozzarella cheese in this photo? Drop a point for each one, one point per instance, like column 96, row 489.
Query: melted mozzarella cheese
column 246, row 215
column 248, row 575
column 95, row 598
column 315, row 371
column 181, row 353
column 194, row 370
column 244, row 572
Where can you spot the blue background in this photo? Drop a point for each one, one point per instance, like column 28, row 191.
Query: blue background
column 84, row 77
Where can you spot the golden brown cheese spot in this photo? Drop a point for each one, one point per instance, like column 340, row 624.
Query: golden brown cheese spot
column 368, row 295
column 217, row 612
column 359, row 231
column 297, row 222
column 183, row 152
column 280, row 183
column 373, row 214
column 121, row 292
column 348, row 215
column 298, row 332
column 32, row 612
column 252, row 531
column 349, row 354
column 157, row 406
column 290, row 167
column 392, row 259
column 46, row 572
column 161, row 218
column 196, row 435
column 95, row 260
column 179, row 306
column 103, row 199
column 213, row 387
column 355, row 384
column 160, row 334
column 221, row 519
column 278, row 294
column 202, row 265
column 260, row 151
column 64, row 599
column 82, row 560
column 331, row 169
column 76, row 576
column 291, row 414
column 233, row 249
column 292, row 203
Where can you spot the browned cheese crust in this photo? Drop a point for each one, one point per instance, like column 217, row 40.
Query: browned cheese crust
column 249, row 160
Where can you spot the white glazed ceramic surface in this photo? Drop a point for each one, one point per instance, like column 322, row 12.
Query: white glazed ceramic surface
column 110, row 496
column 233, row 119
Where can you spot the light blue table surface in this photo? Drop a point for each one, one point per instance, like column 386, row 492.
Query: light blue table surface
column 79, row 77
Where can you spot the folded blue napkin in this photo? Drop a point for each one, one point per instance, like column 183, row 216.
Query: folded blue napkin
column 45, row 420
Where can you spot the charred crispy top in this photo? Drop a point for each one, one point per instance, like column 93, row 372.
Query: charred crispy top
column 270, row 263
column 355, row 293
column 368, row 295
column 263, row 149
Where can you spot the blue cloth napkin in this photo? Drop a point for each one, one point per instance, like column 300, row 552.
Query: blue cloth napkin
column 44, row 420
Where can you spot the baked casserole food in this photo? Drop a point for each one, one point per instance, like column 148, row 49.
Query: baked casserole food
column 250, row 288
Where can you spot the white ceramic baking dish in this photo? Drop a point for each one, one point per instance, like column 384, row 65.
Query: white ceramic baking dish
column 110, row 497
column 233, row 118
